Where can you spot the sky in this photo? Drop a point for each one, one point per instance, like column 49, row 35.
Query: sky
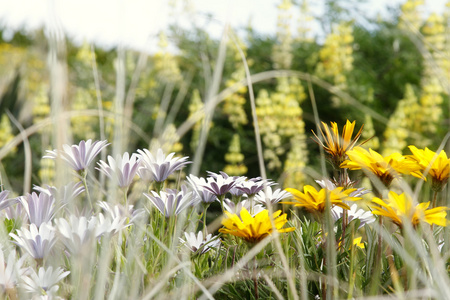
column 136, row 23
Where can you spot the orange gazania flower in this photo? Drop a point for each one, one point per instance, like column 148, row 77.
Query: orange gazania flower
column 399, row 208
column 436, row 165
column 385, row 168
column 334, row 144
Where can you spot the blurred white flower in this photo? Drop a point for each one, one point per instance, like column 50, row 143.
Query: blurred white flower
column 119, row 211
column 171, row 202
column 39, row 208
column 64, row 194
column 328, row 184
column 267, row 195
column 200, row 193
column 366, row 217
column 45, row 282
column 37, row 242
column 10, row 271
column 108, row 225
column 123, row 168
column 79, row 231
column 4, row 202
column 80, row 156
column 160, row 167
column 16, row 212
column 199, row 244
column 76, row 232
column 234, row 208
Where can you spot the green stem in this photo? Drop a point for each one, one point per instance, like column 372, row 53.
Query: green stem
column 378, row 261
column 205, row 228
column 255, row 279
column 344, row 227
column 251, row 205
column 159, row 186
column 434, row 199
column 351, row 275
column 324, row 261
column 221, row 198
column 125, row 197
column 86, row 188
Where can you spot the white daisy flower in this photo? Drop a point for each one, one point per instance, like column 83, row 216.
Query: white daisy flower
column 328, row 184
column 268, row 195
column 220, row 184
column 65, row 194
column 119, row 211
column 366, row 217
column 171, row 202
column 11, row 270
column 45, row 282
column 252, row 186
column 38, row 242
column 79, row 231
column 111, row 226
column 198, row 243
column 158, row 168
column 16, row 212
column 80, row 156
column 4, row 202
column 200, row 193
column 123, row 168
column 234, row 208
column 39, row 208
column 76, row 232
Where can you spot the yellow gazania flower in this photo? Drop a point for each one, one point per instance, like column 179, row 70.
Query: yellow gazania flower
column 385, row 168
column 314, row 201
column 357, row 242
column 438, row 165
column 400, row 207
column 254, row 229
column 336, row 146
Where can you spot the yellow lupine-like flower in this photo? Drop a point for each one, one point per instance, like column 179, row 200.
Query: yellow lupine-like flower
column 385, row 168
column 399, row 208
column 438, row 165
column 334, row 144
column 254, row 229
column 314, row 201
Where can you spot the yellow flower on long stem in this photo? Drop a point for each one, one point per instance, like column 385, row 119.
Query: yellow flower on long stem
column 385, row 168
column 399, row 208
column 357, row 242
column 314, row 200
column 334, row 144
column 436, row 165
column 254, row 229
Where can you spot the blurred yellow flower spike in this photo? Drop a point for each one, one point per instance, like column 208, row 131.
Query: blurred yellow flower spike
column 334, row 144
column 385, row 168
column 435, row 165
column 314, row 201
column 254, row 229
column 399, row 208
